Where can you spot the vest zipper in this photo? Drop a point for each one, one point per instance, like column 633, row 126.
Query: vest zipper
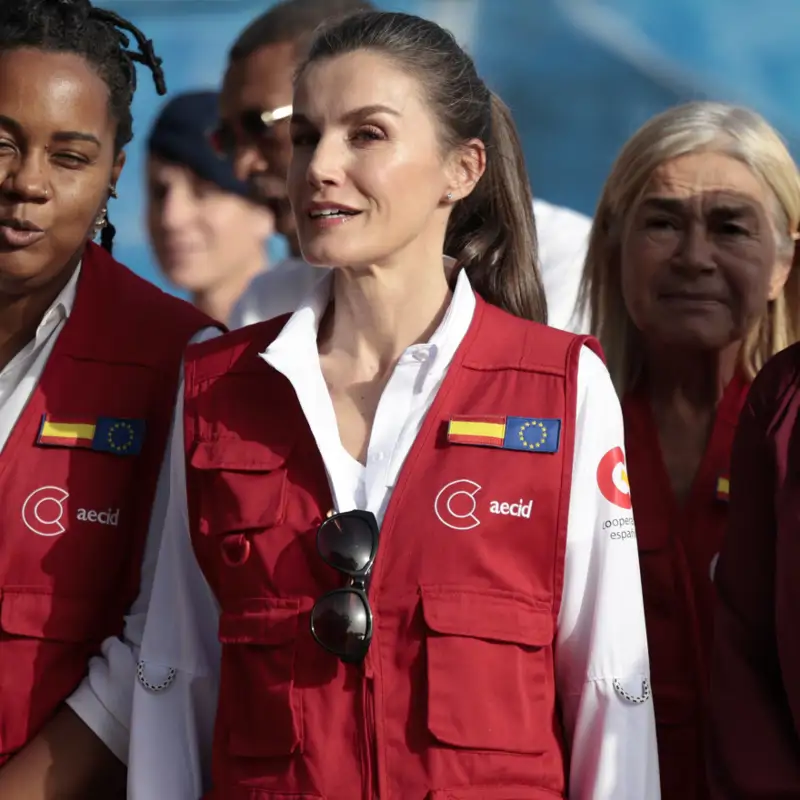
column 370, row 757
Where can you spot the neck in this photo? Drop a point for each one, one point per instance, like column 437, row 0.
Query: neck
column 690, row 378
column 219, row 299
column 20, row 315
column 377, row 312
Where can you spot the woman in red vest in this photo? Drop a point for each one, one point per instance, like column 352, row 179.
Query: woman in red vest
column 403, row 511
column 89, row 358
column 689, row 275
column 754, row 749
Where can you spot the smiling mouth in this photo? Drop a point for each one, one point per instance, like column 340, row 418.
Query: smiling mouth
column 332, row 213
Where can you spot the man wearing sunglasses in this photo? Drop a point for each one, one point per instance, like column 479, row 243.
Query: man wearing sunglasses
column 253, row 133
column 255, row 107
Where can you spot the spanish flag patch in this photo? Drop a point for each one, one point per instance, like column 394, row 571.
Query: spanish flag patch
column 530, row 434
column 122, row 437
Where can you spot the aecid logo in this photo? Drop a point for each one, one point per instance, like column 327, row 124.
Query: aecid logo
column 455, row 505
column 43, row 511
column 612, row 478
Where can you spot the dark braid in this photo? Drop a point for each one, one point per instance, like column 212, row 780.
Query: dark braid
column 98, row 35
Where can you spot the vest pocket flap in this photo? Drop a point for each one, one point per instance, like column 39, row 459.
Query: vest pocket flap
column 39, row 615
column 490, row 615
column 494, row 793
column 270, row 625
column 238, row 455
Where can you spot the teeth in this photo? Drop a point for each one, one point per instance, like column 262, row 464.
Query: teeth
column 333, row 212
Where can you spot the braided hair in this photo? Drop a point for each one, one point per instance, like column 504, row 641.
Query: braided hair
column 99, row 36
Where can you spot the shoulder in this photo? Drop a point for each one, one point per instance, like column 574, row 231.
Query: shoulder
column 561, row 217
column 158, row 308
column 119, row 317
column 236, row 351
column 562, row 233
column 775, row 392
column 510, row 341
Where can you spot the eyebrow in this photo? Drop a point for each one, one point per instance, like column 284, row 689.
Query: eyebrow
column 674, row 205
column 351, row 116
column 59, row 136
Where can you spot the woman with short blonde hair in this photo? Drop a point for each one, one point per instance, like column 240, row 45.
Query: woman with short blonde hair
column 690, row 283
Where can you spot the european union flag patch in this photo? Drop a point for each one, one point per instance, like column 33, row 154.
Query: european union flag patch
column 508, row 433
column 122, row 437
column 532, row 434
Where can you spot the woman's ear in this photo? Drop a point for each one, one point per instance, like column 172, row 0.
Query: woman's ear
column 466, row 168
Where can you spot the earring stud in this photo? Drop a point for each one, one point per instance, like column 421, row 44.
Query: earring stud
column 449, row 195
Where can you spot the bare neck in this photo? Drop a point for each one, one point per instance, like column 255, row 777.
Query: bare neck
column 377, row 312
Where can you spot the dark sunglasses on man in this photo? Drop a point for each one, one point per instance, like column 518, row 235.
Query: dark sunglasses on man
column 341, row 620
column 254, row 125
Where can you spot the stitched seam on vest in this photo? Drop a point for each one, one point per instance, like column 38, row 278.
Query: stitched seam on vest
column 570, row 412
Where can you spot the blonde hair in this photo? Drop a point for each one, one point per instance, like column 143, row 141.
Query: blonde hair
column 694, row 127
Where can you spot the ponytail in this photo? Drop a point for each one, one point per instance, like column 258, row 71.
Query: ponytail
column 492, row 233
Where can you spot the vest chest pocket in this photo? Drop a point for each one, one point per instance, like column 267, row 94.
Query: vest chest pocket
column 489, row 670
column 241, row 486
column 258, row 703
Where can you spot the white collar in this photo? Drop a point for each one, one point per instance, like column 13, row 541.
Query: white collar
column 298, row 338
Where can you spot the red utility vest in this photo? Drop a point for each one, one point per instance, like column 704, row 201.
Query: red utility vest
column 678, row 545
column 456, row 698
column 75, row 518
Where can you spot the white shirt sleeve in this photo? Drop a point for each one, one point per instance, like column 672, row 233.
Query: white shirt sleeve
column 175, row 691
column 601, row 659
column 103, row 699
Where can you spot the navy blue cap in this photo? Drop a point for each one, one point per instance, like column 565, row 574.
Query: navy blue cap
column 180, row 135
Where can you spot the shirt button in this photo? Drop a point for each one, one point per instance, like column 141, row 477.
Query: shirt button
column 421, row 355
column 380, row 456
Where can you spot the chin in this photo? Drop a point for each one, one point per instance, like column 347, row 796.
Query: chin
column 319, row 254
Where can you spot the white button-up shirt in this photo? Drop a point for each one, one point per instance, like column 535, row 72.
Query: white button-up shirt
column 563, row 236
column 601, row 661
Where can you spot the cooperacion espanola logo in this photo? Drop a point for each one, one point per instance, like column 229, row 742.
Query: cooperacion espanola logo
column 43, row 510
column 455, row 505
column 612, row 478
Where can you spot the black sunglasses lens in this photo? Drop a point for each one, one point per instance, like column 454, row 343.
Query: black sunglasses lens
column 346, row 543
column 253, row 124
column 340, row 621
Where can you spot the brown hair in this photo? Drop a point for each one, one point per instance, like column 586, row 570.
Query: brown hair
column 491, row 232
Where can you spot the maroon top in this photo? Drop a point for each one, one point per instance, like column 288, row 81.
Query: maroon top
column 755, row 673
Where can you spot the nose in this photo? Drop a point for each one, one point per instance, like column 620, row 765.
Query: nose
column 697, row 250
column 248, row 161
column 326, row 165
column 177, row 208
column 27, row 178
